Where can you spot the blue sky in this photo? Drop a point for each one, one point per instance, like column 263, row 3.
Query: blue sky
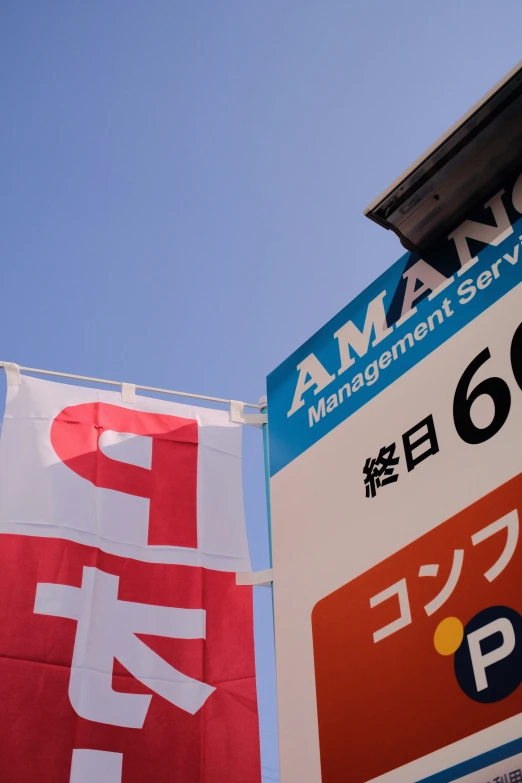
column 183, row 184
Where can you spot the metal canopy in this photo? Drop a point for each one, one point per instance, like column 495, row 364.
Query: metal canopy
column 463, row 166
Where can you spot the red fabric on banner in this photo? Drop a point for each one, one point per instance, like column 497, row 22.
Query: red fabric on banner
column 39, row 727
column 171, row 482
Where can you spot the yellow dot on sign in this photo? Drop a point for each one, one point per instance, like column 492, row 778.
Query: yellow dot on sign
column 448, row 636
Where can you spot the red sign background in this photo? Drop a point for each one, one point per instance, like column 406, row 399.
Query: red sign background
column 384, row 704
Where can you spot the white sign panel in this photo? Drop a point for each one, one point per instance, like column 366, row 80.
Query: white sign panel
column 396, row 493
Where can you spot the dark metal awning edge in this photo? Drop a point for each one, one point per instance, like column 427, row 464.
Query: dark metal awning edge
column 397, row 208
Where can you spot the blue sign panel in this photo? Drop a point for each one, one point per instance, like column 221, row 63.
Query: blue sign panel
column 405, row 315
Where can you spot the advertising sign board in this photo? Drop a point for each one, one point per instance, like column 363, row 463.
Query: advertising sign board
column 396, row 497
column 126, row 648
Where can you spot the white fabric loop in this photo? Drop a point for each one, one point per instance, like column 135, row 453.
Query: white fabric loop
column 12, row 372
column 255, row 578
column 128, row 392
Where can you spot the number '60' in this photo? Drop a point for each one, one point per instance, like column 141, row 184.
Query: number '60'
column 495, row 388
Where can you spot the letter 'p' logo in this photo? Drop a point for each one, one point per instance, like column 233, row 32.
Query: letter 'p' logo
column 488, row 663
column 171, row 483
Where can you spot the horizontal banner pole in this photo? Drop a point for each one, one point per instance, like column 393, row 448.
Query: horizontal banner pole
column 119, row 383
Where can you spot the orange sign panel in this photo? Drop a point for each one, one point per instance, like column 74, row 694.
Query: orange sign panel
column 426, row 647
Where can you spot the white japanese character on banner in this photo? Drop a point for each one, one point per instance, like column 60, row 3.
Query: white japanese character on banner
column 432, row 570
column 400, row 589
column 106, row 630
column 508, row 522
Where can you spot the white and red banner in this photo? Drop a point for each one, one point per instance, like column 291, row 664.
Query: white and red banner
column 126, row 648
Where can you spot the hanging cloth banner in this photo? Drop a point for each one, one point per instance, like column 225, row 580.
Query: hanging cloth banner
column 126, row 648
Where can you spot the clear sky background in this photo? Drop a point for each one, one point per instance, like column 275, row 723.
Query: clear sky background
column 183, row 184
